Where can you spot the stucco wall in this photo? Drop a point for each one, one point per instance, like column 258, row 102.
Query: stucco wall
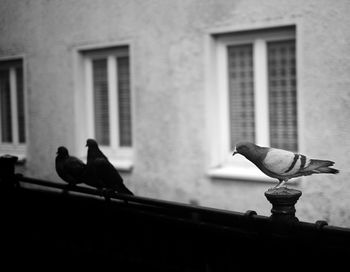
column 168, row 56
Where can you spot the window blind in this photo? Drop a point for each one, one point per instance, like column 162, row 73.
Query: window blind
column 20, row 105
column 101, row 108
column 5, row 103
column 241, row 93
column 282, row 94
column 124, row 101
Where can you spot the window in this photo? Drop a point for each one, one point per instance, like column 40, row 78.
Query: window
column 108, row 96
column 12, row 108
column 256, row 89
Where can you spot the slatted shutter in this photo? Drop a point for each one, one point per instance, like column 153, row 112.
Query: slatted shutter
column 5, row 100
column 282, row 94
column 241, row 93
column 124, row 101
column 100, row 94
column 12, row 106
column 20, row 105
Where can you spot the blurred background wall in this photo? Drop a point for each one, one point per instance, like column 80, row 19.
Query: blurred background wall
column 174, row 77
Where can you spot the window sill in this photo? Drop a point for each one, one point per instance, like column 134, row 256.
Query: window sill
column 122, row 165
column 123, row 161
column 243, row 173
column 239, row 173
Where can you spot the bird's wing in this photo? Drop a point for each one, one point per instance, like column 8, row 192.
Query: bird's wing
column 110, row 176
column 59, row 164
column 90, row 176
column 107, row 171
column 284, row 163
column 74, row 168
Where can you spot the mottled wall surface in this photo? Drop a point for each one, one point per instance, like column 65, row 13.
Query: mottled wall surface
column 168, row 56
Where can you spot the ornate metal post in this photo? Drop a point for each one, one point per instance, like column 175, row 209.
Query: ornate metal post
column 283, row 201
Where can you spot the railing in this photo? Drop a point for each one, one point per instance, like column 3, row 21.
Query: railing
column 139, row 233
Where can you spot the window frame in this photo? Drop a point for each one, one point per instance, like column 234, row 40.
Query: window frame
column 16, row 148
column 222, row 164
column 120, row 156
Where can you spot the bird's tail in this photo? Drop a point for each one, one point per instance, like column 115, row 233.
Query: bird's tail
column 328, row 170
column 124, row 190
column 323, row 166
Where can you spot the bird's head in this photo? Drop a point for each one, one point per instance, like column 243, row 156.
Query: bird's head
column 244, row 148
column 91, row 143
column 62, row 151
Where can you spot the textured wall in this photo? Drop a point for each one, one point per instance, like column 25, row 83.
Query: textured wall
column 170, row 126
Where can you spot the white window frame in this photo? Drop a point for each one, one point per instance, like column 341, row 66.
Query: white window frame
column 120, row 156
column 15, row 148
column 222, row 164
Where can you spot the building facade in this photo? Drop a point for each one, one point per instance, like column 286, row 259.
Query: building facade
column 168, row 87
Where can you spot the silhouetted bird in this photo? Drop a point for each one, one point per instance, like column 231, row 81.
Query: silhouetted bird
column 282, row 164
column 91, row 180
column 69, row 168
column 103, row 170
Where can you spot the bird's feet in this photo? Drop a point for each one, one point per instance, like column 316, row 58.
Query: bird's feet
column 281, row 185
column 107, row 194
column 68, row 187
column 284, row 186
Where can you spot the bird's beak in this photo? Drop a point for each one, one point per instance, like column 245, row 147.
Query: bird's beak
column 234, row 152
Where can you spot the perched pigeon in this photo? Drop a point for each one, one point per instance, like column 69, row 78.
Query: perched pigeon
column 103, row 170
column 69, row 168
column 282, row 164
column 91, row 180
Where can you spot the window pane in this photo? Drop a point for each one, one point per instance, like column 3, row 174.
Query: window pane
column 101, row 109
column 241, row 93
column 20, row 105
column 282, row 94
column 5, row 100
column 124, row 101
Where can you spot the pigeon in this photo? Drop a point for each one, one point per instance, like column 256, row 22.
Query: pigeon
column 103, row 170
column 91, row 180
column 282, row 164
column 69, row 168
